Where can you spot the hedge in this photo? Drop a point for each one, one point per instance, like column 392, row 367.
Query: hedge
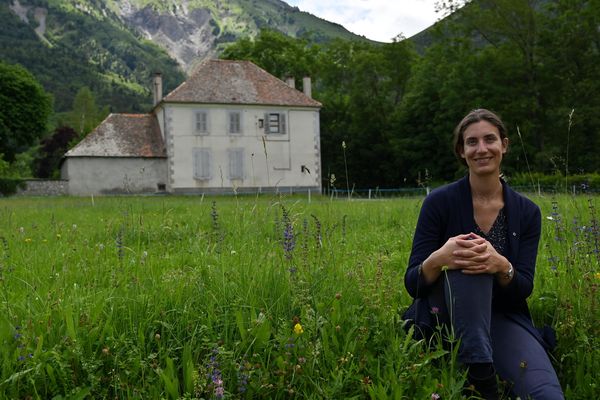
column 9, row 186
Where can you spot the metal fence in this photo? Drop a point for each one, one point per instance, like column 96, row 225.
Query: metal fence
column 378, row 193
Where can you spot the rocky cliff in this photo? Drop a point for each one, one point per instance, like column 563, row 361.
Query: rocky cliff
column 113, row 46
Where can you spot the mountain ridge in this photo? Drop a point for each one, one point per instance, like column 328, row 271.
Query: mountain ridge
column 114, row 46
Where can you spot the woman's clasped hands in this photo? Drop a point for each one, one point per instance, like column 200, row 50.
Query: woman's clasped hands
column 472, row 254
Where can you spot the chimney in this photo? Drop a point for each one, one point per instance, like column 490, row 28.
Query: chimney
column 291, row 82
column 157, row 88
column 306, row 86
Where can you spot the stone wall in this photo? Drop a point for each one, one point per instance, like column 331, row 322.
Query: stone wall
column 44, row 187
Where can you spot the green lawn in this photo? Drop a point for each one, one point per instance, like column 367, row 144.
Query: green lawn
column 245, row 297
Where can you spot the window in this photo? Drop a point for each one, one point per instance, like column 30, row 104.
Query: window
column 202, row 161
column 235, row 122
column 274, row 123
column 201, row 123
column 236, row 164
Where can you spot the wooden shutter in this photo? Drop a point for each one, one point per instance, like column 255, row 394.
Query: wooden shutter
column 266, row 123
column 235, row 122
column 201, row 122
column 236, row 164
column 202, row 163
column 282, row 124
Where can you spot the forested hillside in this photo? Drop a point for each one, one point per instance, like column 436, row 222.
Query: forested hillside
column 78, row 50
column 388, row 109
column 113, row 46
column 394, row 108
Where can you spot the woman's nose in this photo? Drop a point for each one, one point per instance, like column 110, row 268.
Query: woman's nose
column 481, row 146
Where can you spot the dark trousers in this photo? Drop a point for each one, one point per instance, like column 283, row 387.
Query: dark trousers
column 464, row 303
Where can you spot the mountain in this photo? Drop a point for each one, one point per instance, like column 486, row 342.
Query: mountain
column 193, row 30
column 114, row 46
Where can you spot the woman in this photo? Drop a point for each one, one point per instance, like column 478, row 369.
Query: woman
column 472, row 266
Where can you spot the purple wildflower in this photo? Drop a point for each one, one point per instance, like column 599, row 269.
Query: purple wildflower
column 289, row 241
column 242, row 377
column 555, row 216
column 215, row 374
column 584, row 187
column 318, row 234
column 214, row 215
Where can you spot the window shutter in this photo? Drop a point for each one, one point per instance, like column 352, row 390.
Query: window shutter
column 202, row 163
column 266, row 123
column 236, row 164
column 282, row 124
column 197, row 164
column 235, row 122
column 204, row 122
column 201, row 122
column 206, row 164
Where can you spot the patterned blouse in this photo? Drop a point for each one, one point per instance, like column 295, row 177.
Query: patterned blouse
column 498, row 232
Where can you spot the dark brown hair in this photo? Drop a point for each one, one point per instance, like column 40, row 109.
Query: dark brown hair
column 480, row 114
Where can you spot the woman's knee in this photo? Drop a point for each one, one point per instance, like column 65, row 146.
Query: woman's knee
column 541, row 384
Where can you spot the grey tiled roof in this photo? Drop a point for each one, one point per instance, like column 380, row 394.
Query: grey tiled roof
column 237, row 82
column 122, row 135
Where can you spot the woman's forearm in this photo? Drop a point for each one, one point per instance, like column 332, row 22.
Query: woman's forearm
column 431, row 268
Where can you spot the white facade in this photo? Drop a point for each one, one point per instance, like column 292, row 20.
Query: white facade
column 244, row 148
column 230, row 127
column 114, row 175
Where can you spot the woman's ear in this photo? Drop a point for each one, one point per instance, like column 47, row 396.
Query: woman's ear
column 504, row 145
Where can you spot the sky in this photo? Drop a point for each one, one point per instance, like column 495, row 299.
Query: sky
column 379, row 20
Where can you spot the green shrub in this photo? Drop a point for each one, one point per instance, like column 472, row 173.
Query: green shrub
column 556, row 182
column 9, row 186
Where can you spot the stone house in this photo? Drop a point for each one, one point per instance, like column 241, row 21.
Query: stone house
column 231, row 127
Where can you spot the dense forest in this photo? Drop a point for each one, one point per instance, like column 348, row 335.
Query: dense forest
column 389, row 109
column 395, row 106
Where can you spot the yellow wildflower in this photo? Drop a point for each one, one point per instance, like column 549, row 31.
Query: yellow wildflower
column 298, row 329
column 597, row 275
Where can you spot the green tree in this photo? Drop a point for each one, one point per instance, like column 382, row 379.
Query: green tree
column 85, row 114
column 25, row 108
column 360, row 86
column 538, row 63
column 569, row 47
column 280, row 55
column 51, row 151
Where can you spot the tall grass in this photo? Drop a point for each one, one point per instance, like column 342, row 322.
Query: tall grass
column 268, row 297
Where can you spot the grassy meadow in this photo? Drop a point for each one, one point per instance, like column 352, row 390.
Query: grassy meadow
column 246, row 297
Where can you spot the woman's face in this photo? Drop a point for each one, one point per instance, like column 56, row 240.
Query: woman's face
column 482, row 148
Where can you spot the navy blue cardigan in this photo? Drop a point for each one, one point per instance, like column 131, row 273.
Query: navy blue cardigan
column 447, row 212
